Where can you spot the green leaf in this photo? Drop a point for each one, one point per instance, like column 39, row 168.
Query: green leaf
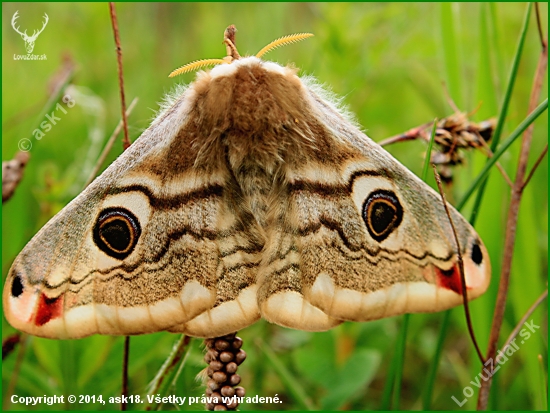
column 352, row 380
column 306, row 358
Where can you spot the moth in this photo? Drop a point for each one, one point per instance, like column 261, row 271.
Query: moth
column 252, row 194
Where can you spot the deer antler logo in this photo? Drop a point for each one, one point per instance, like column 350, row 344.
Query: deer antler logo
column 29, row 40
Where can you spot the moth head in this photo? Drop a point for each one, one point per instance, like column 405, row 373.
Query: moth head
column 232, row 52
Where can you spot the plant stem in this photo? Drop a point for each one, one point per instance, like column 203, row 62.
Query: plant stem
column 126, row 142
column 511, row 225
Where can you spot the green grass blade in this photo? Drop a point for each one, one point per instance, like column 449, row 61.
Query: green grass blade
column 504, row 108
column 435, row 361
column 450, row 51
column 54, row 98
column 388, row 387
column 399, row 361
column 291, row 383
column 429, row 387
column 486, row 83
column 543, row 380
column 496, row 44
column 393, row 381
column 68, row 366
column 429, row 152
column 168, row 373
column 505, row 145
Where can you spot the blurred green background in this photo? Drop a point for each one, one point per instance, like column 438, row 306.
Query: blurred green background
column 389, row 62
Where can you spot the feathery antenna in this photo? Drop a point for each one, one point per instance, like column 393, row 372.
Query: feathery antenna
column 232, row 52
column 282, row 41
column 197, row 64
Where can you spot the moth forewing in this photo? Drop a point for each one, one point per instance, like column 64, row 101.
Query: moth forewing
column 252, row 195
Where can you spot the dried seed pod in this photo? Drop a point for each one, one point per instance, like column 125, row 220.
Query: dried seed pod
column 219, row 376
column 454, row 135
column 212, row 385
column 234, row 379
column 240, row 357
column 229, row 337
column 237, row 343
column 227, row 391
column 226, row 356
column 221, row 344
column 239, row 391
column 231, row 368
column 223, row 355
column 216, row 365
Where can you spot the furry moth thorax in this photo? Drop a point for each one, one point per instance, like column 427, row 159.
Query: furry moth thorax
column 250, row 196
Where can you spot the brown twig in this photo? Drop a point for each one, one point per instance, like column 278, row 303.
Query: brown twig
column 511, row 224
column 410, row 135
column 450, row 100
column 537, row 87
column 109, row 144
column 16, row 370
column 535, row 166
column 516, row 330
column 543, row 365
column 460, row 267
column 490, row 154
column 12, row 173
column 9, row 344
column 126, row 142
column 543, row 41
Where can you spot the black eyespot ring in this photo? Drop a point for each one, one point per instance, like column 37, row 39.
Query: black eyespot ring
column 382, row 213
column 116, row 232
